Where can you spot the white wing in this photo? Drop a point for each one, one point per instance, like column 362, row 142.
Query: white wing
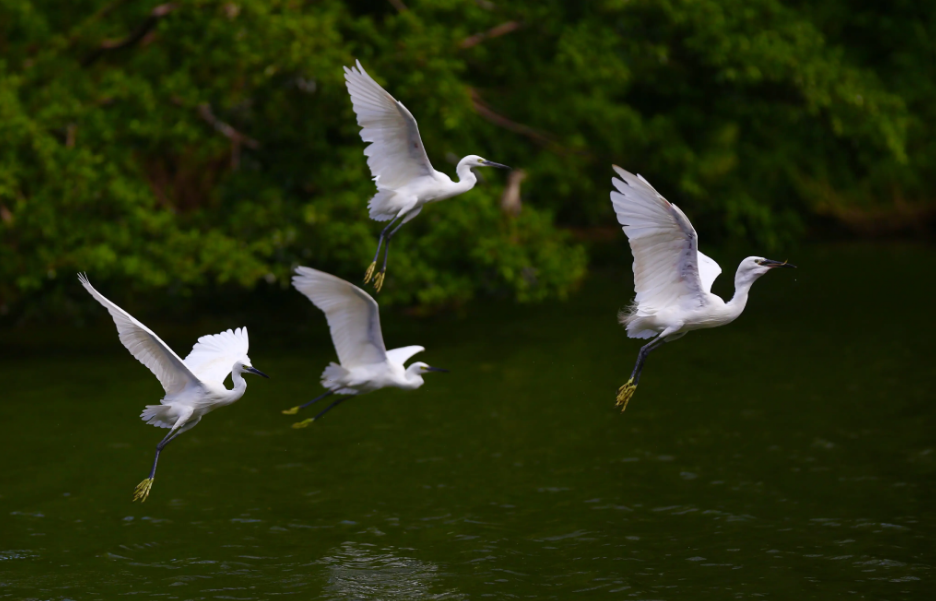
column 664, row 244
column 396, row 154
column 708, row 271
column 402, row 354
column 213, row 356
column 146, row 346
column 352, row 314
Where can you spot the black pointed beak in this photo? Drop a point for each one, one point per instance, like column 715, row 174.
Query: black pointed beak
column 439, row 369
column 770, row 263
column 254, row 370
column 488, row 163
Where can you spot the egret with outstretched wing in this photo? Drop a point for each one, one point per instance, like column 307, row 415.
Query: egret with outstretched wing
column 364, row 363
column 193, row 387
column 672, row 279
column 397, row 159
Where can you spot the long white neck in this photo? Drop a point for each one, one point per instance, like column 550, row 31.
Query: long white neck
column 466, row 177
column 742, row 285
column 240, row 385
column 413, row 376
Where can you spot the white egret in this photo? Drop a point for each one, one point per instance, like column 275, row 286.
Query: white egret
column 365, row 363
column 672, row 279
column 193, row 387
column 404, row 176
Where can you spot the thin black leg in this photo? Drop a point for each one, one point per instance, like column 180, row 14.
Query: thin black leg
column 642, row 358
column 380, row 240
column 383, row 236
column 626, row 391
column 143, row 488
column 330, row 407
column 296, row 409
column 306, row 422
column 378, row 281
column 162, row 445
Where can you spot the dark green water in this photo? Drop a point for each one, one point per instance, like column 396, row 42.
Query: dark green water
column 790, row 454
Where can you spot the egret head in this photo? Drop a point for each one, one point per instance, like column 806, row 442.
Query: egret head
column 473, row 160
column 758, row 266
column 416, row 370
column 243, row 366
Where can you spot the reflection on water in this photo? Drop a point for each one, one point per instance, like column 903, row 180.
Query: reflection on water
column 789, row 454
column 367, row 571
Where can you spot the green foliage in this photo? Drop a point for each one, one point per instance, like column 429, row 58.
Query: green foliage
column 217, row 145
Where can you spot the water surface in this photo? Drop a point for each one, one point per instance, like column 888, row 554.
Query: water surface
column 791, row 453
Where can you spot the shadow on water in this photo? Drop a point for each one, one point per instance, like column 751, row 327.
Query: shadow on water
column 791, row 453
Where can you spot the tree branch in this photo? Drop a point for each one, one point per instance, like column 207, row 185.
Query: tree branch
column 237, row 139
column 110, row 45
column 494, row 32
column 497, row 119
column 524, row 130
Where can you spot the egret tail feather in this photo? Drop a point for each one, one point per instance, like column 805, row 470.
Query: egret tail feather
column 637, row 325
column 333, row 376
column 161, row 416
column 382, row 206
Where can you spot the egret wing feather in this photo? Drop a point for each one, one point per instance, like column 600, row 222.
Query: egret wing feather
column 402, row 354
column 353, row 316
column 145, row 345
column 213, row 356
column 708, row 271
column 663, row 242
column 396, row 154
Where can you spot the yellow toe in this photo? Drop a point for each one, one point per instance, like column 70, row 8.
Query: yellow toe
column 304, row 423
column 292, row 411
column 625, row 393
column 378, row 281
column 143, row 490
column 370, row 272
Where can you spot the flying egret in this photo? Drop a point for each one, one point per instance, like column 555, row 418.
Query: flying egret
column 365, row 363
column 672, row 279
column 193, row 387
column 397, row 159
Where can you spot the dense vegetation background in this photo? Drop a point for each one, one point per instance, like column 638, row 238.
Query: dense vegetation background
column 203, row 145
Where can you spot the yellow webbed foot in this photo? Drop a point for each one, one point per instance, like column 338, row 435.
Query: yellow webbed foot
column 378, row 281
column 292, row 411
column 143, row 490
column 370, row 272
column 625, row 393
column 303, row 424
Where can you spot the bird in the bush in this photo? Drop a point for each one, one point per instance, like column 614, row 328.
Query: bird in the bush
column 404, row 176
column 194, row 386
column 672, row 279
column 364, row 364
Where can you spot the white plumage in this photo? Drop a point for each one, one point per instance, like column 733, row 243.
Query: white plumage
column 397, row 159
column 665, row 247
column 395, row 154
column 353, row 316
column 354, row 320
column 146, row 346
column 214, row 355
column 194, row 387
column 672, row 279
